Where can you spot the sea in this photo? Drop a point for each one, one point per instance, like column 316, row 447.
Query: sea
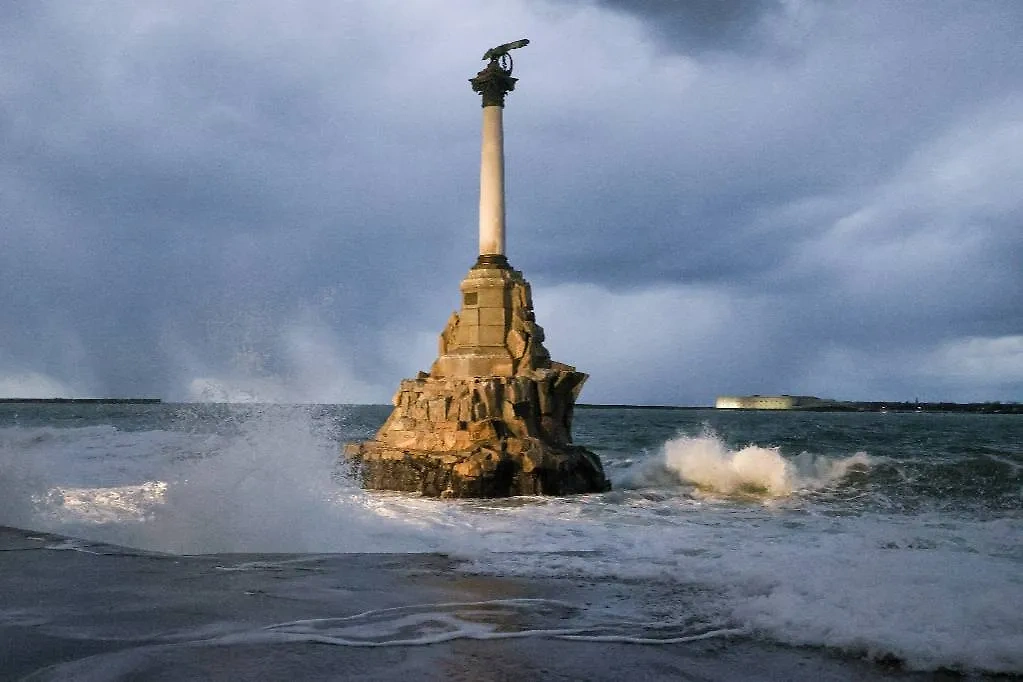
column 186, row 541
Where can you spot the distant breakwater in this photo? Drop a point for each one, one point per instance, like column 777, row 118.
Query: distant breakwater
column 993, row 407
column 88, row 401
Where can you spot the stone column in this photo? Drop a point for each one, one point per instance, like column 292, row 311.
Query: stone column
column 493, row 83
column 492, row 183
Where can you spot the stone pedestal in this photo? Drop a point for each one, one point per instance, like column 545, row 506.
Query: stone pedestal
column 494, row 333
column 493, row 417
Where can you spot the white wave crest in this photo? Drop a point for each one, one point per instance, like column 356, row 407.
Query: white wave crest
column 108, row 504
column 706, row 462
column 267, row 480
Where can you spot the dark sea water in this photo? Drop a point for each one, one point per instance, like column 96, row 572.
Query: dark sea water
column 892, row 541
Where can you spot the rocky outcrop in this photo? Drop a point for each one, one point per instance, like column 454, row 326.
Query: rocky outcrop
column 481, row 437
column 493, row 417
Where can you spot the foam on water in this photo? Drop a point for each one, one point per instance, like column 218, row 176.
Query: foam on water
column 931, row 593
column 491, row 619
column 749, row 552
column 706, row 462
column 266, row 485
column 113, row 504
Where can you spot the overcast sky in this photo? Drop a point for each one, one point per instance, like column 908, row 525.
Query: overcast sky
column 278, row 200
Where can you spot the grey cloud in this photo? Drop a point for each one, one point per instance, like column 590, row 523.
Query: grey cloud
column 180, row 184
column 713, row 202
column 696, row 25
column 244, row 196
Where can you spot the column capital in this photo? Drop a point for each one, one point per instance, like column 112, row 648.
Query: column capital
column 493, row 82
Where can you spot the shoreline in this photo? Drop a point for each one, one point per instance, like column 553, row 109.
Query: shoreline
column 79, row 608
column 878, row 406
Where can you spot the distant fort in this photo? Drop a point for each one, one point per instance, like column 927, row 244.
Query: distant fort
column 771, row 402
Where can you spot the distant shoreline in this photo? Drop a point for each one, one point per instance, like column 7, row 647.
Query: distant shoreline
column 622, row 406
column 844, row 406
column 92, row 401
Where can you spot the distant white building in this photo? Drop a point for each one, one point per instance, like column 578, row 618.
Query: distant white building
column 765, row 402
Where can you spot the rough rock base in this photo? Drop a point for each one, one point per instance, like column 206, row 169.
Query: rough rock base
column 481, row 437
column 490, row 470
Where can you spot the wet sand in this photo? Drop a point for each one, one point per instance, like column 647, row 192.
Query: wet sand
column 77, row 610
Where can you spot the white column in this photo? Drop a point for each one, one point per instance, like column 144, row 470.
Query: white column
column 492, row 183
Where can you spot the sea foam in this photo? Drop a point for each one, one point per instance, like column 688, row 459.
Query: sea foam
column 706, row 462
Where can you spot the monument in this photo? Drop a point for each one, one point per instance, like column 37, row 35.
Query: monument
column 493, row 417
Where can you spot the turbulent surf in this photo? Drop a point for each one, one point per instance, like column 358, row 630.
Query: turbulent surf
column 874, row 537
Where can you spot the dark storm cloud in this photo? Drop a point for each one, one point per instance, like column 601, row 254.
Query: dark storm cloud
column 745, row 139
column 280, row 200
column 177, row 182
column 854, row 198
column 696, row 25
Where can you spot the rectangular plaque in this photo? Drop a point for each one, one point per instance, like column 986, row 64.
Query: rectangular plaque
column 469, row 298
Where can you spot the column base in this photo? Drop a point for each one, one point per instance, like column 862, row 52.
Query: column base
column 492, row 261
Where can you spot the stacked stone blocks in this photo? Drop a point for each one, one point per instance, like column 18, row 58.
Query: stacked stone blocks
column 494, row 415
